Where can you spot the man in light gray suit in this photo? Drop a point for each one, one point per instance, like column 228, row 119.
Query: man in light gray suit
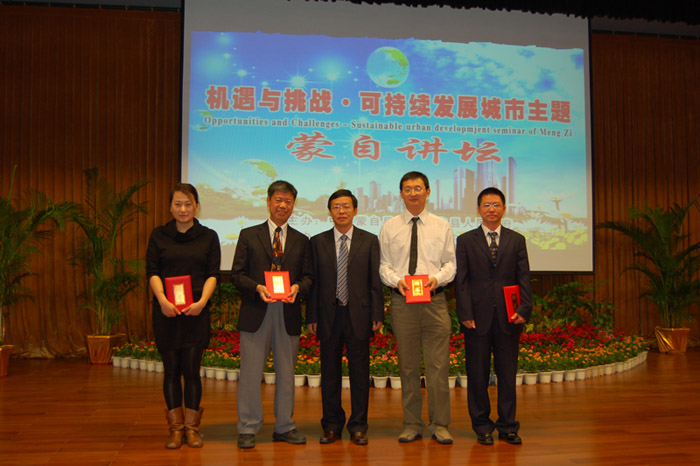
column 266, row 323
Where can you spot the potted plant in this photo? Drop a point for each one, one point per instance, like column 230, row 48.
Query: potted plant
column 224, row 308
column 109, row 277
column 670, row 264
column 122, row 354
column 573, row 302
column 313, row 368
column 269, row 371
column 206, row 368
column 24, row 223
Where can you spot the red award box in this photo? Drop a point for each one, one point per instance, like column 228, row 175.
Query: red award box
column 179, row 291
column 512, row 294
column 277, row 283
column 417, row 292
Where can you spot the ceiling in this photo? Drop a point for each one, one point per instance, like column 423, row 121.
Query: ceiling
column 672, row 18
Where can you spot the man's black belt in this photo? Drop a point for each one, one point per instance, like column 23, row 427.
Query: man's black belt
column 437, row 290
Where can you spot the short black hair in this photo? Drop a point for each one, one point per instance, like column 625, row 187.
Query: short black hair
column 491, row 190
column 186, row 189
column 414, row 176
column 342, row 193
column 282, row 186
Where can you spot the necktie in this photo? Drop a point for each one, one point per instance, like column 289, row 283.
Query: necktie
column 342, row 284
column 277, row 250
column 413, row 258
column 493, row 246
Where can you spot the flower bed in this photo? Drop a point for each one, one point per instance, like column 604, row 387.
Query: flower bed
column 570, row 347
column 565, row 348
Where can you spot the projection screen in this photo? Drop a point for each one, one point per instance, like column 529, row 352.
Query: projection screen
column 330, row 95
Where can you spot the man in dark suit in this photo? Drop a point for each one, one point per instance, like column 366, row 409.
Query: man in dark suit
column 265, row 323
column 489, row 258
column 346, row 307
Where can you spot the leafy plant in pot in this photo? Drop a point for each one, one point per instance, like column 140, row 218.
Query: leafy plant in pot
column 225, row 307
column 109, row 277
column 25, row 222
column 670, row 264
column 573, row 302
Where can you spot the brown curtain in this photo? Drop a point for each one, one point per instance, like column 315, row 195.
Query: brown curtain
column 87, row 87
column 646, row 109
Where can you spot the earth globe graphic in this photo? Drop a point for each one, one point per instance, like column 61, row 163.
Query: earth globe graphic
column 387, row 67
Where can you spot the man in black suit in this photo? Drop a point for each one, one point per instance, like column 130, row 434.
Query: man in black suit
column 489, row 258
column 346, row 307
column 265, row 323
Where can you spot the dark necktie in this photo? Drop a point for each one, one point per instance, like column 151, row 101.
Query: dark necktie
column 413, row 258
column 277, row 250
column 493, row 246
column 342, row 285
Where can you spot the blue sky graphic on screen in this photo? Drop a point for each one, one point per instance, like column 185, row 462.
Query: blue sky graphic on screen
column 325, row 112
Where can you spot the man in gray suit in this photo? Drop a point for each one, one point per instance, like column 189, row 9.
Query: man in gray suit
column 489, row 258
column 266, row 323
column 345, row 308
column 418, row 242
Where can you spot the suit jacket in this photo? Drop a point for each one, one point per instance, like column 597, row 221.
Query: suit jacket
column 479, row 284
column 253, row 257
column 365, row 301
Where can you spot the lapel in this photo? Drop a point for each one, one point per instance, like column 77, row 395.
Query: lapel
column 328, row 243
column 289, row 244
column 263, row 235
column 503, row 244
column 357, row 239
column 482, row 242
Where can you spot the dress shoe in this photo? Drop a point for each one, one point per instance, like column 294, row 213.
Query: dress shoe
column 510, row 437
column 246, row 441
column 359, row 438
column 442, row 435
column 409, row 434
column 329, row 437
column 293, row 436
column 484, row 439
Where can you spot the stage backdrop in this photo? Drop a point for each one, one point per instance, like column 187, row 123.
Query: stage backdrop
column 285, row 90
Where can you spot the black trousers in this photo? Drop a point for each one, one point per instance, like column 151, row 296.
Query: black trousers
column 343, row 336
column 478, row 351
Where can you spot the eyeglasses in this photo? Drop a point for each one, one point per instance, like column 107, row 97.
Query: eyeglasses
column 339, row 207
column 415, row 189
column 488, row 205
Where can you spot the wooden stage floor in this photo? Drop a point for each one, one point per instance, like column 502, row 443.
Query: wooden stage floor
column 70, row 413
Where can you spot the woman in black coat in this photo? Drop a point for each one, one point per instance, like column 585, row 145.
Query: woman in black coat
column 179, row 248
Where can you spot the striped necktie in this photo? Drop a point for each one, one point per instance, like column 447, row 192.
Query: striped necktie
column 493, row 247
column 342, row 284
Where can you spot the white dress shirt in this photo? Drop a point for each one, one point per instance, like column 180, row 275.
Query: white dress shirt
column 436, row 249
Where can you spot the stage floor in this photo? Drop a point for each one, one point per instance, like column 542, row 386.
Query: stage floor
column 69, row 412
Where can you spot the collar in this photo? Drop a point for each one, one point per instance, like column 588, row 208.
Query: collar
column 272, row 226
column 337, row 234
column 486, row 230
column 407, row 216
